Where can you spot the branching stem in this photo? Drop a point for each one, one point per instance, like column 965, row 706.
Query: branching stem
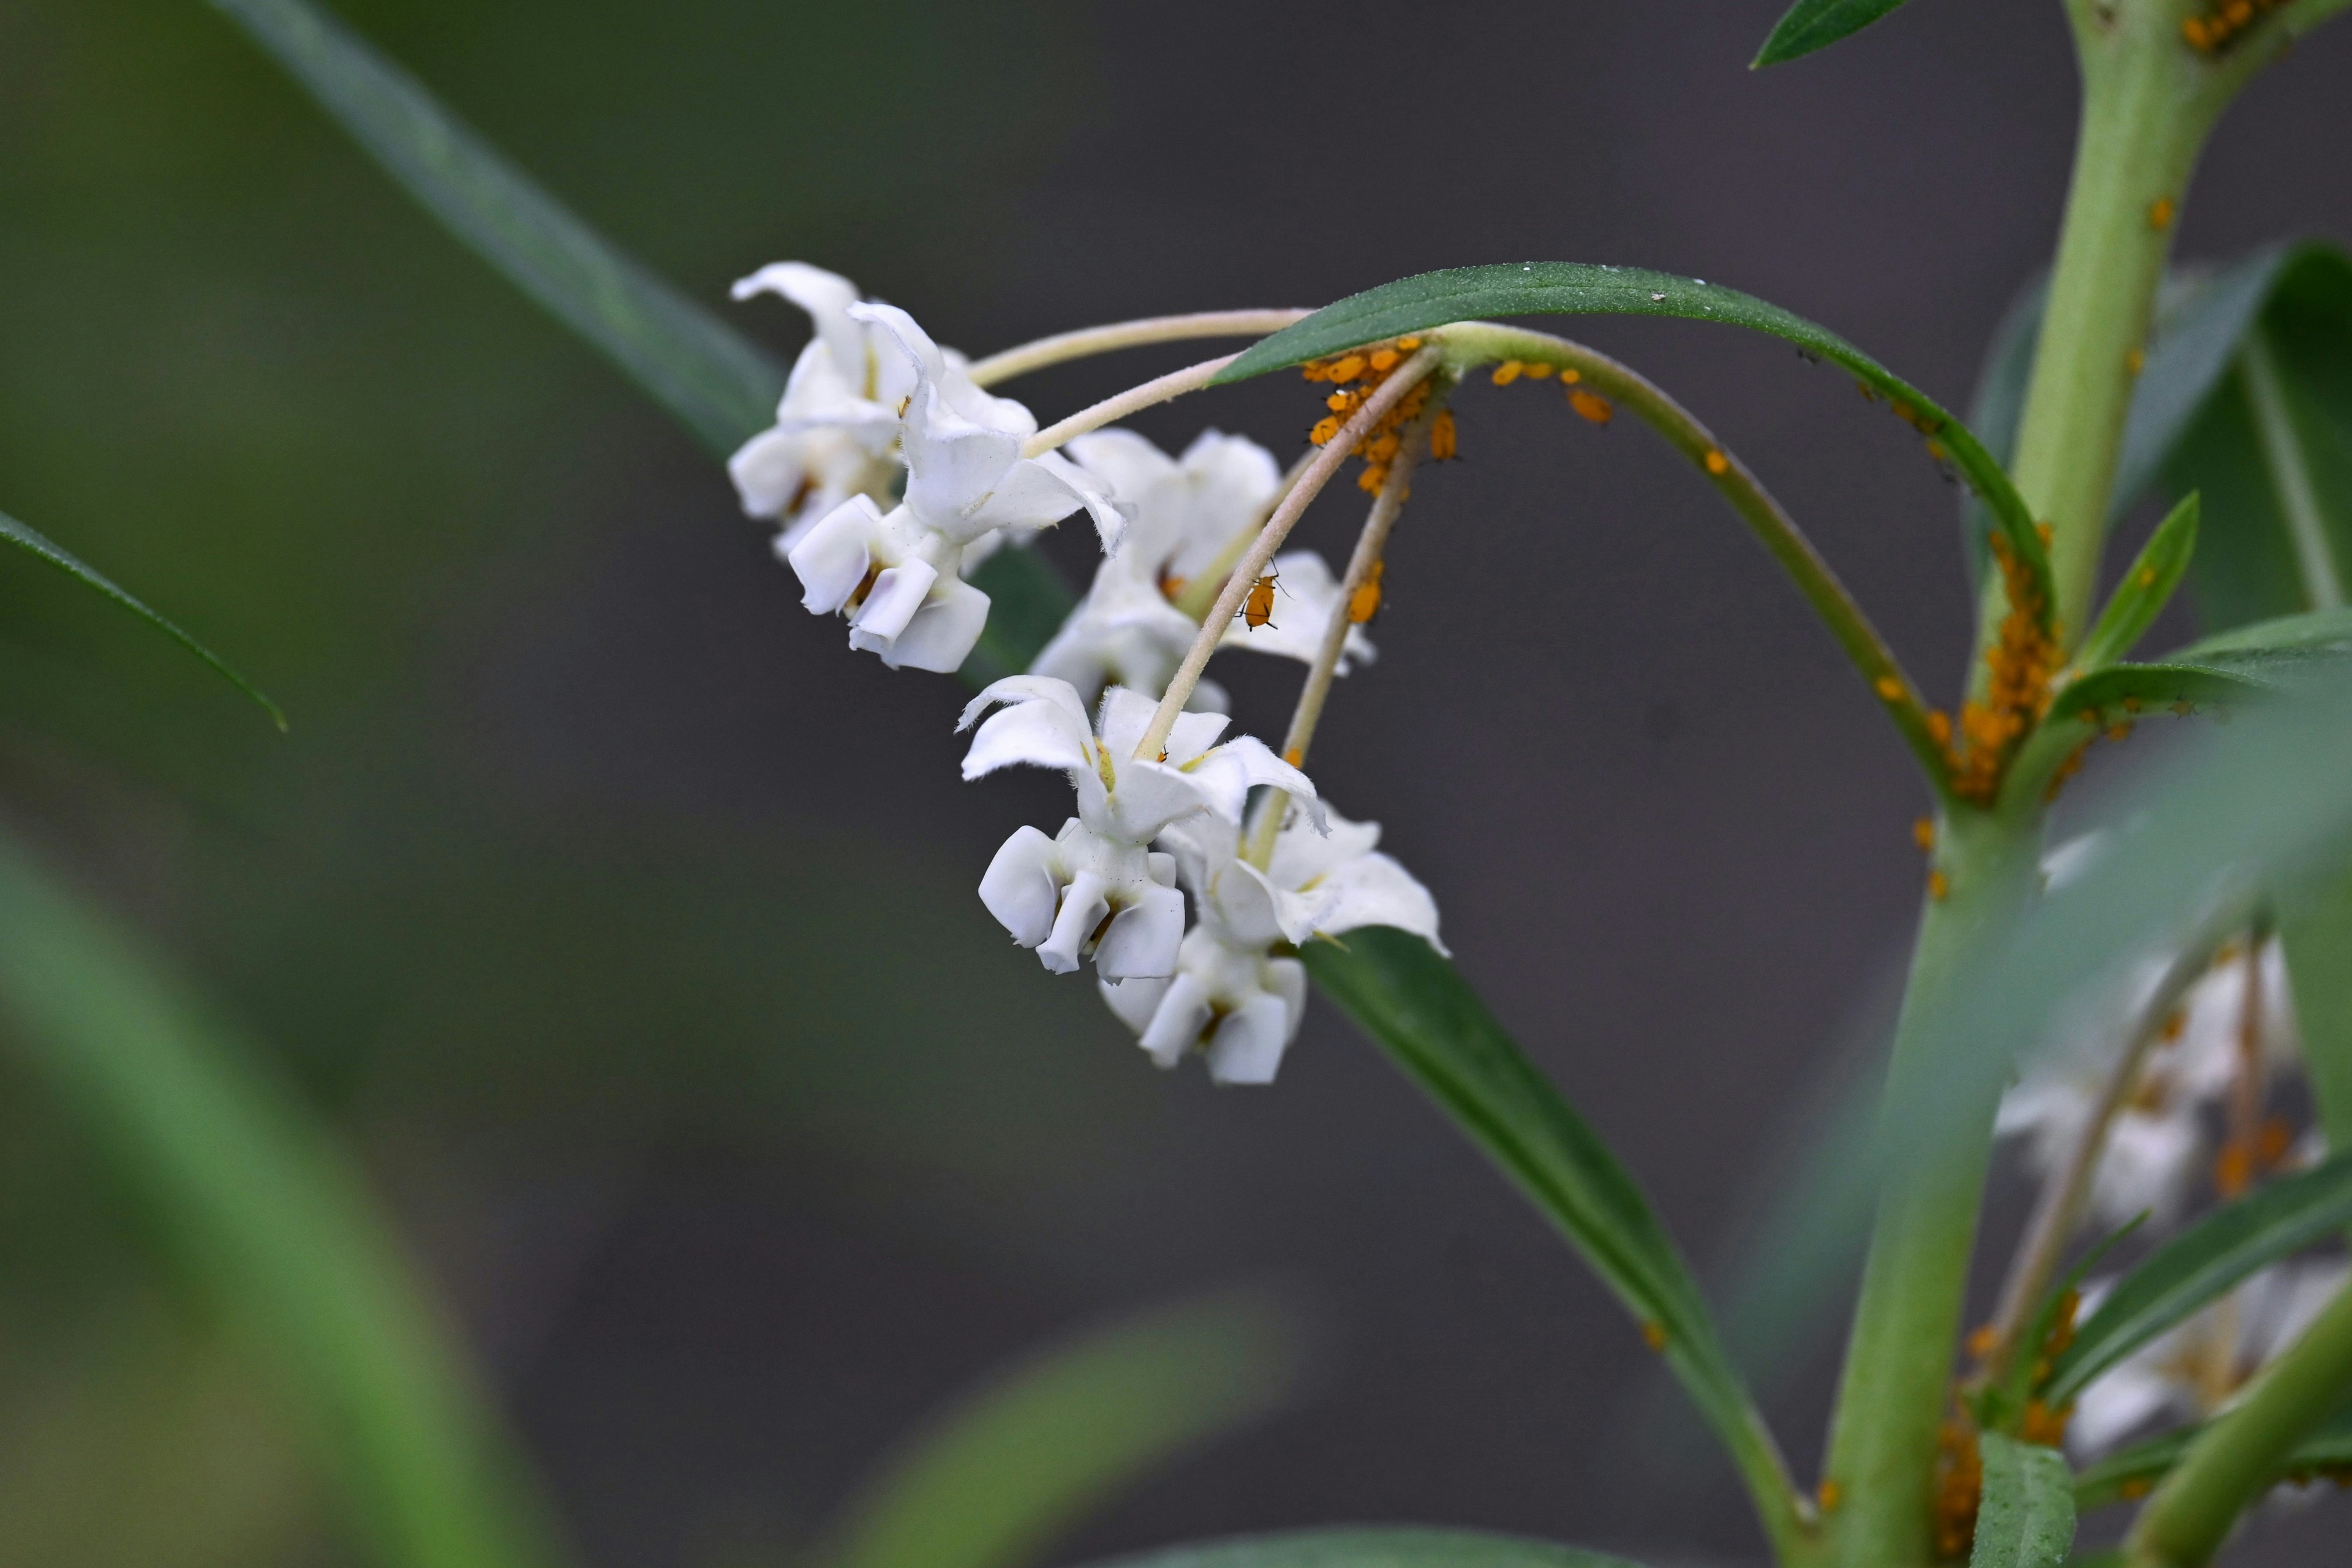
column 1277, row 528
column 1089, row 341
column 1110, row 410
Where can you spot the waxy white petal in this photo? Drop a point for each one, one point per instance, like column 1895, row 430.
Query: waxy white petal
column 897, row 593
column 1040, row 734
column 1142, row 938
column 943, row 632
column 1084, row 904
column 833, row 557
column 1019, row 888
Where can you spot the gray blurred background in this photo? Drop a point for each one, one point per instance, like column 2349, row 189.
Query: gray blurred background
column 624, row 918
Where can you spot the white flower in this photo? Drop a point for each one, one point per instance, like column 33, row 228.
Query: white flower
column 1231, row 994
column 2156, row 1145
column 1095, row 887
column 2199, row 1367
column 836, row 429
column 1188, row 512
column 897, row 575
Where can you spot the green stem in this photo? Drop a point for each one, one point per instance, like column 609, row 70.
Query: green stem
column 1898, row 1369
column 2242, row 1454
column 2148, row 104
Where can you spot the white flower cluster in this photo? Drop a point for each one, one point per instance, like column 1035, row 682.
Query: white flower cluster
column 892, row 473
column 2231, row 1036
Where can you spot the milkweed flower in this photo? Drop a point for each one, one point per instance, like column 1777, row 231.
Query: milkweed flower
column 2199, row 1366
column 897, row 575
column 836, row 429
column 1232, row 996
column 2156, row 1145
column 1188, row 512
column 1097, row 888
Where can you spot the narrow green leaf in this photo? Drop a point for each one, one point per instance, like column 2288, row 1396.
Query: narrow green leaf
column 2027, row 1517
column 2146, row 588
column 2315, row 930
column 991, row 1482
column 716, row 382
column 2203, row 1263
column 1417, row 1007
column 2002, row 1407
column 1811, row 25
column 1374, row 1548
column 1998, row 408
column 2266, row 382
column 1028, row 600
column 1433, row 299
column 271, row 1225
column 39, row 545
column 2129, row 1473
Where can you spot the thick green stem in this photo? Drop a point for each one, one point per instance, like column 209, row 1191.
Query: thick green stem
column 1898, row 1369
column 2242, row 1454
column 2147, row 104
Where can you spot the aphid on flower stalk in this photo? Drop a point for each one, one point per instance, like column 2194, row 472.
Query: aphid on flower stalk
column 1364, row 602
column 1257, row 610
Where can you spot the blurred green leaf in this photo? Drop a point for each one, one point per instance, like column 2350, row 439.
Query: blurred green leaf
column 2315, row 930
column 1811, row 25
column 37, row 544
column 718, row 384
column 1432, row 300
column 2026, row 1518
column 2248, row 399
column 1418, row 1008
column 1028, row 600
column 1374, row 1548
column 2146, row 587
column 2129, row 1472
column 270, row 1222
column 2260, row 803
column 2199, row 1265
column 992, row 1481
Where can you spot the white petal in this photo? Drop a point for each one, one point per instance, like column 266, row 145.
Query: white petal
column 943, row 632
column 1121, row 718
column 1019, row 888
column 1083, row 908
column 897, row 593
column 768, row 471
column 1027, row 688
column 1149, row 796
column 1247, row 1047
column 1131, row 465
column 825, row 296
column 1227, row 774
column 1144, row 937
column 1038, row 733
column 1374, row 891
column 1287, row 979
column 1194, row 734
column 953, row 465
column 1302, row 855
column 833, row 557
column 1177, row 1023
column 1134, row 1000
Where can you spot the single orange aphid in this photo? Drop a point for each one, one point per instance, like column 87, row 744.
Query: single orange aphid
column 1257, row 610
column 1365, row 601
column 1590, row 406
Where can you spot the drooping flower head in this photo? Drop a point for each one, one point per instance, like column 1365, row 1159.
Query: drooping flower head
column 1234, row 995
column 1097, row 887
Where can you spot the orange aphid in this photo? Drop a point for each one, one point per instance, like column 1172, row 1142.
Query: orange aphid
column 1827, row 1494
column 1364, row 602
column 1940, row 885
column 1384, row 360
column 1716, row 463
column 1890, row 689
column 1325, row 429
column 1441, row 437
column 1923, row 833
column 1257, row 610
column 2159, row 213
column 1348, row 369
column 1590, row 406
column 1654, row 1334
column 2136, row 361
column 1508, row 372
column 1536, row 371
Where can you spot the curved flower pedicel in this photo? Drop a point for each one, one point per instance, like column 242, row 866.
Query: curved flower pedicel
column 1192, row 513
column 1095, row 889
column 897, row 575
column 1231, row 996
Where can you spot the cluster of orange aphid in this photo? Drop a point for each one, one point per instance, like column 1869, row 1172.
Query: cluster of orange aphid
column 2113, row 730
column 2217, row 29
column 1959, row 1486
column 1960, row 1464
column 2017, row 690
column 1355, row 377
column 1587, row 404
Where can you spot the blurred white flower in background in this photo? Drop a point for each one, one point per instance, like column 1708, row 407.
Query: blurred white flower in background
column 1094, row 888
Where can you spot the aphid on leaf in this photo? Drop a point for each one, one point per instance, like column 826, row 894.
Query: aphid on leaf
column 1257, row 610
